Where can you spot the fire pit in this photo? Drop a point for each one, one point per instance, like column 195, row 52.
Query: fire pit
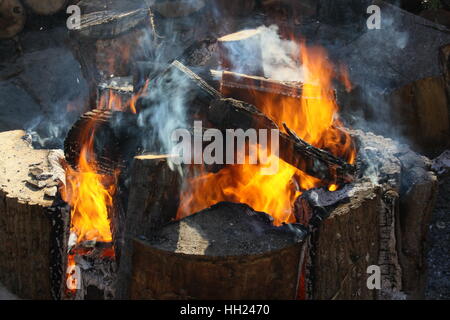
column 221, row 171
column 337, row 199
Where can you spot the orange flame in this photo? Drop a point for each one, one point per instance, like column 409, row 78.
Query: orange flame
column 313, row 117
column 111, row 100
column 89, row 193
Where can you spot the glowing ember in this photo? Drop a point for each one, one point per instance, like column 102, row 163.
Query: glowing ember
column 313, row 118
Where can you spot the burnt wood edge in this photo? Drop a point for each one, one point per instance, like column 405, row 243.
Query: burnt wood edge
column 59, row 215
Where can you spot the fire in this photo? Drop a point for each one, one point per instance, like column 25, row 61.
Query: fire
column 110, row 100
column 89, row 193
column 273, row 194
column 313, row 117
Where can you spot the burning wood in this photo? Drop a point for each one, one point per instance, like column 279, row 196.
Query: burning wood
column 196, row 91
column 242, row 86
column 232, row 114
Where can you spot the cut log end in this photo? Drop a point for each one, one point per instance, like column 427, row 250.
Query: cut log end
column 12, row 18
column 225, row 229
column 46, row 7
column 228, row 247
column 240, row 35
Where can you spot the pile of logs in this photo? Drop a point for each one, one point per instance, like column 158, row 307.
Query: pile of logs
column 378, row 217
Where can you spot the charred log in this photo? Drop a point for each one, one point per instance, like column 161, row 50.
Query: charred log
column 243, row 87
column 233, row 114
column 179, row 79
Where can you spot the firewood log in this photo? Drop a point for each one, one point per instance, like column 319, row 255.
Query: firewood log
column 109, row 35
column 114, row 145
column 111, row 24
column 198, row 54
column 46, row 7
column 196, row 92
column 12, row 18
column 227, row 251
column 33, row 230
column 242, row 87
column 233, row 114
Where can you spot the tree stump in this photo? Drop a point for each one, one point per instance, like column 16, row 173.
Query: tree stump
column 149, row 208
column 421, row 109
column 32, row 231
column 225, row 252
column 380, row 219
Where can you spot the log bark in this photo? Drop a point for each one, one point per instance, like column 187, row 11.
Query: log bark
column 242, row 52
column 154, row 190
column 417, row 199
column 108, row 38
column 46, row 7
column 225, row 252
column 33, row 228
column 112, row 18
column 444, row 57
column 12, row 18
column 378, row 225
column 422, row 110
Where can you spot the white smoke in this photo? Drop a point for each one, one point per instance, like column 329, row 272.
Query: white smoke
column 279, row 56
